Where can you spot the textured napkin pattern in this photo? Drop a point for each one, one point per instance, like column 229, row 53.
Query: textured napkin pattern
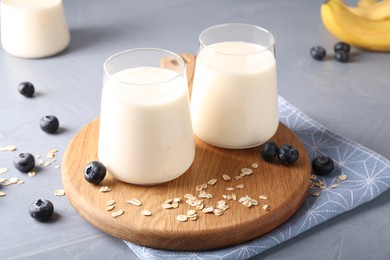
column 368, row 176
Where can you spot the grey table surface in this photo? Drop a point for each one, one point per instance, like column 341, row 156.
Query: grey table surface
column 351, row 99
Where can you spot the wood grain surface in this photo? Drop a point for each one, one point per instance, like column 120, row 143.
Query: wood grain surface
column 285, row 187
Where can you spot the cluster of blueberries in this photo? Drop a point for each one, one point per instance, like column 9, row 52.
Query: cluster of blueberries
column 341, row 50
column 287, row 154
column 41, row 210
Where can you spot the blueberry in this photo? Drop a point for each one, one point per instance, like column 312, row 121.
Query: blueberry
column 95, row 172
column 49, row 124
column 342, row 56
column 287, row 154
column 24, row 162
column 26, row 89
column 318, row 53
column 322, row 165
column 342, row 46
column 269, row 151
column 41, row 210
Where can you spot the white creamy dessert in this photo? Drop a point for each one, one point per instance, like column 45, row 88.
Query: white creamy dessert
column 33, row 28
column 234, row 101
column 145, row 127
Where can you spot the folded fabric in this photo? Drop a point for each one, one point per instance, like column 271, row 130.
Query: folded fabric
column 364, row 176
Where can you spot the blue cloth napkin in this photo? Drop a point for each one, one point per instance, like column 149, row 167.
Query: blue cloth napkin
column 368, row 175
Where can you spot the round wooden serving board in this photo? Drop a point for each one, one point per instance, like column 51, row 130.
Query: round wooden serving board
column 285, row 187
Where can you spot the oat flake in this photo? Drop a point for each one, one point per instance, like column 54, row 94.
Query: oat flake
column 117, row 213
column 146, row 212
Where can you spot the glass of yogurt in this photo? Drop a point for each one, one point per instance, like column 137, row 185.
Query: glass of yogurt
column 234, row 100
column 146, row 133
column 33, row 28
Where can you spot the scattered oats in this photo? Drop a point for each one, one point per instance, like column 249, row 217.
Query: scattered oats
column 166, row 206
column 230, row 188
column 221, row 205
column 208, row 209
column 226, row 177
column 134, row 202
column 38, row 156
column 217, row 212
column 182, row 218
column 187, row 196
column 247, row 203
column 171, row 203
column 191, row 212
column 57, row 166
column 343, row 177
column 201, row 187
column 110, row 202
column 41, row 162
column 313, row 177
column 205, row 195
column 234, row 197
column 317, row 184
column 335, row 185
column 2, row 180
column 263, row 197
column 200, row 206
column 53, row 151
column 59, row 193
column 316, row 193
column 13, row 180
column 266, row 207
column 146, row 212
column 117, row 213
column 240, row 186
column 237, row 177
column 242, row 199
column 31, row 174
column 48, row 163
column 3, row 170
column 246, row 171
column 311, row 185
column 221, row 202
column 104, row 189
column 2, row 193
column 255, row 165
column 168, row 201
column 111, row 207
column 323, row 187
column 8, row 148
column 212, row 182
column 6, row 183
column 20, row 182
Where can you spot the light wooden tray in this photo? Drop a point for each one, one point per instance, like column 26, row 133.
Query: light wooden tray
column 285, row 187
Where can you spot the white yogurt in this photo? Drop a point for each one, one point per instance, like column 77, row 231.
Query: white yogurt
column 33, row 28
column 145, row 127
column 234, row 101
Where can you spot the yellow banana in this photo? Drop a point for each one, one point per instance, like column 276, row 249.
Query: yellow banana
column 375, row 11
column 353, row 29
column 365, row 3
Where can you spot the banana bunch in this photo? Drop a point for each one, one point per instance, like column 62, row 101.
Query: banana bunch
column 366, row 26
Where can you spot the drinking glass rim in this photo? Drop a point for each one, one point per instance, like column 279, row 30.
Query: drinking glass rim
column 109, row 75
column 266, row 48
